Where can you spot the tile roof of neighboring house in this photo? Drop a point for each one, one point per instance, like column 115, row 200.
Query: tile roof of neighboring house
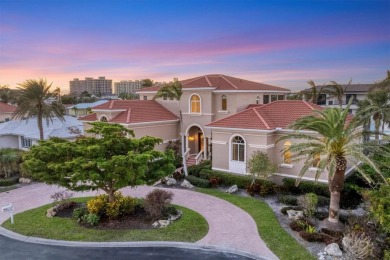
column 353, row 88
column 135, row 111
column 254, row 105
column 5, row 108
column 29, row 129
column 221, row 82
column 277, row 114
column 87, row 105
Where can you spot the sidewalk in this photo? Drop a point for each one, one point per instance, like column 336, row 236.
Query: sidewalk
column 229, row 226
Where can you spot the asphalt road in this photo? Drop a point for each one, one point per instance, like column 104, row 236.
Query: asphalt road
column 14, row 250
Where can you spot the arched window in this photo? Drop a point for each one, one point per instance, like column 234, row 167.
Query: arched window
column 103, row 119
column 287, row 153
column 195, row 104
column 224, row 103
column 238, row 149
column 316, row 160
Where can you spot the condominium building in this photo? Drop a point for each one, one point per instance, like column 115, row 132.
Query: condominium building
column 100, row 86
column 127, row 86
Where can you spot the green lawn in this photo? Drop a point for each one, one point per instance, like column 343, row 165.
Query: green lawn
column 190, row 227
column 275, row 237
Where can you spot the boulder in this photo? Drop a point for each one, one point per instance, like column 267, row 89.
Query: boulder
column 51, row 212
column 24, row 180
column 175, row 217
column 170, row 181
column 186, row 184
column 161, row 223
column 294, row 214
column 232, row 189
column 333, row 250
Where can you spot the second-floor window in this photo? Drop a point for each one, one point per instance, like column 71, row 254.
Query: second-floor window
column 224, row 103
column 266, row 99
column 195, row 104
column 145, row 97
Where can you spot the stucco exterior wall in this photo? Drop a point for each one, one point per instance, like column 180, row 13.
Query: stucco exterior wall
column 4, row 116
column 9, row 141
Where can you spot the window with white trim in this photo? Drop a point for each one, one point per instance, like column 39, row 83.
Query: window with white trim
column 224, row 103
column 195, row 104
column 287, row 153
column 26, row 143
column 238, row 149
column 103, row 119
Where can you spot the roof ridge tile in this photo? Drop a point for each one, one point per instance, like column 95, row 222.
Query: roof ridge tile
column 261, row 118
column 223, row 76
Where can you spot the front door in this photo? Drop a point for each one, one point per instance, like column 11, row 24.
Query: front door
column 200, row 142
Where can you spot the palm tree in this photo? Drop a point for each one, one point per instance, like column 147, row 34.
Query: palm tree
column 34, row 100
column 338, row 90
column 174, row 91
column 314, row 93
column 336, row 139
column 377, row 106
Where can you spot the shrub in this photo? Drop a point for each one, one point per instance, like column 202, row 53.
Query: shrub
column 310, row 229
column 288, row 200
column 79, row 213
column 91, row 219
column 253, row 189
column 267, row 187
column 300, row 225
column 198, row 182
column 323, row 201
column 309, row 203
column 178, row 175
column 214, row 181
column 350, row 197
column 156, row 202
column 9, row 181
column 195, row 170
column 380, row 206
column 359, row 245
column 313, row 237
column 121, row 206
column 10, row 160
column 284, row 209
column 306, row 187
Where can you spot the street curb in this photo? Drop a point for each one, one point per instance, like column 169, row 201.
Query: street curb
column 184, row 245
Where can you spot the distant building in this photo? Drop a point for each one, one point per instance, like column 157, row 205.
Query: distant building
column 22, row 134
column 82, row 109
column 97, row 87
column 127, row 86
column 6, row 112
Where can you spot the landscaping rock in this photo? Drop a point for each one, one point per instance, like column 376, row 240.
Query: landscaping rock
column 161, row 223
column 333, row 250
column 51, row 212
column 175, row 217
column 170, row 181
column 24, row 180
column 187, row 184
column 295, row 214
column 232, row 189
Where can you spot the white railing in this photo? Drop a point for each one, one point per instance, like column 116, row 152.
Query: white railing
column 187, row 154
column 199, row 157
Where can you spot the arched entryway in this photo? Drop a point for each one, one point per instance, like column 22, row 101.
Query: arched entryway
column 195, row 139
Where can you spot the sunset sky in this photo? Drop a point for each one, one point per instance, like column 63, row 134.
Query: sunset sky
column 282, row 43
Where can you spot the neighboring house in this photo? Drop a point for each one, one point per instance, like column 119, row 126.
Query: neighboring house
column 145, row 118
column 355, row 92
column 209, row 98
column 82, row 109
column 22, row 134
column 6, row 112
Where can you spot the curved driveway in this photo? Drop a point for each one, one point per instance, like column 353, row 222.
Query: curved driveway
column 229, row 226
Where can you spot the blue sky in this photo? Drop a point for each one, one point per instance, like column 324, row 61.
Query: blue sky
column 283, row 43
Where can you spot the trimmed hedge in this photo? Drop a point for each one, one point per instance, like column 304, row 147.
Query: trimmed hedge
column 227, row 179
column 198, row 182
column 195, row 170
column 288, row 200
column 9, row 181
column 306, row 187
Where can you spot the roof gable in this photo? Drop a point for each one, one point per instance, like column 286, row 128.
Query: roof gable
column 5, row 108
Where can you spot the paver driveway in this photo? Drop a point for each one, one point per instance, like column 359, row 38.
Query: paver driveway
column 229, row 226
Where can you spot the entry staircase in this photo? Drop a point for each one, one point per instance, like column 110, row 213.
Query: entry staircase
column 191, row 160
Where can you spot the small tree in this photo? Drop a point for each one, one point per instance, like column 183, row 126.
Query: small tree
column 260, row 166
column 109, row 163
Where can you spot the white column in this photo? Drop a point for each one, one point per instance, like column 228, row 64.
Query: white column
column 205, row 147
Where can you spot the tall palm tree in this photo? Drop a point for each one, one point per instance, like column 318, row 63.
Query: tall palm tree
column 377, row 106
column 336, row 139
column 34, row 100
column 338, row 90
column 174, row 91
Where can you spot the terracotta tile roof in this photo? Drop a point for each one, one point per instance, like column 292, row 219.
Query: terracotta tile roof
column 277, row 114
column 221, row 82
column 135, row 111
column 5, row 108
column 254, row 105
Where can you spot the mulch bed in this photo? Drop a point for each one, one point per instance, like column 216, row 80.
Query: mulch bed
column 138, row 220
